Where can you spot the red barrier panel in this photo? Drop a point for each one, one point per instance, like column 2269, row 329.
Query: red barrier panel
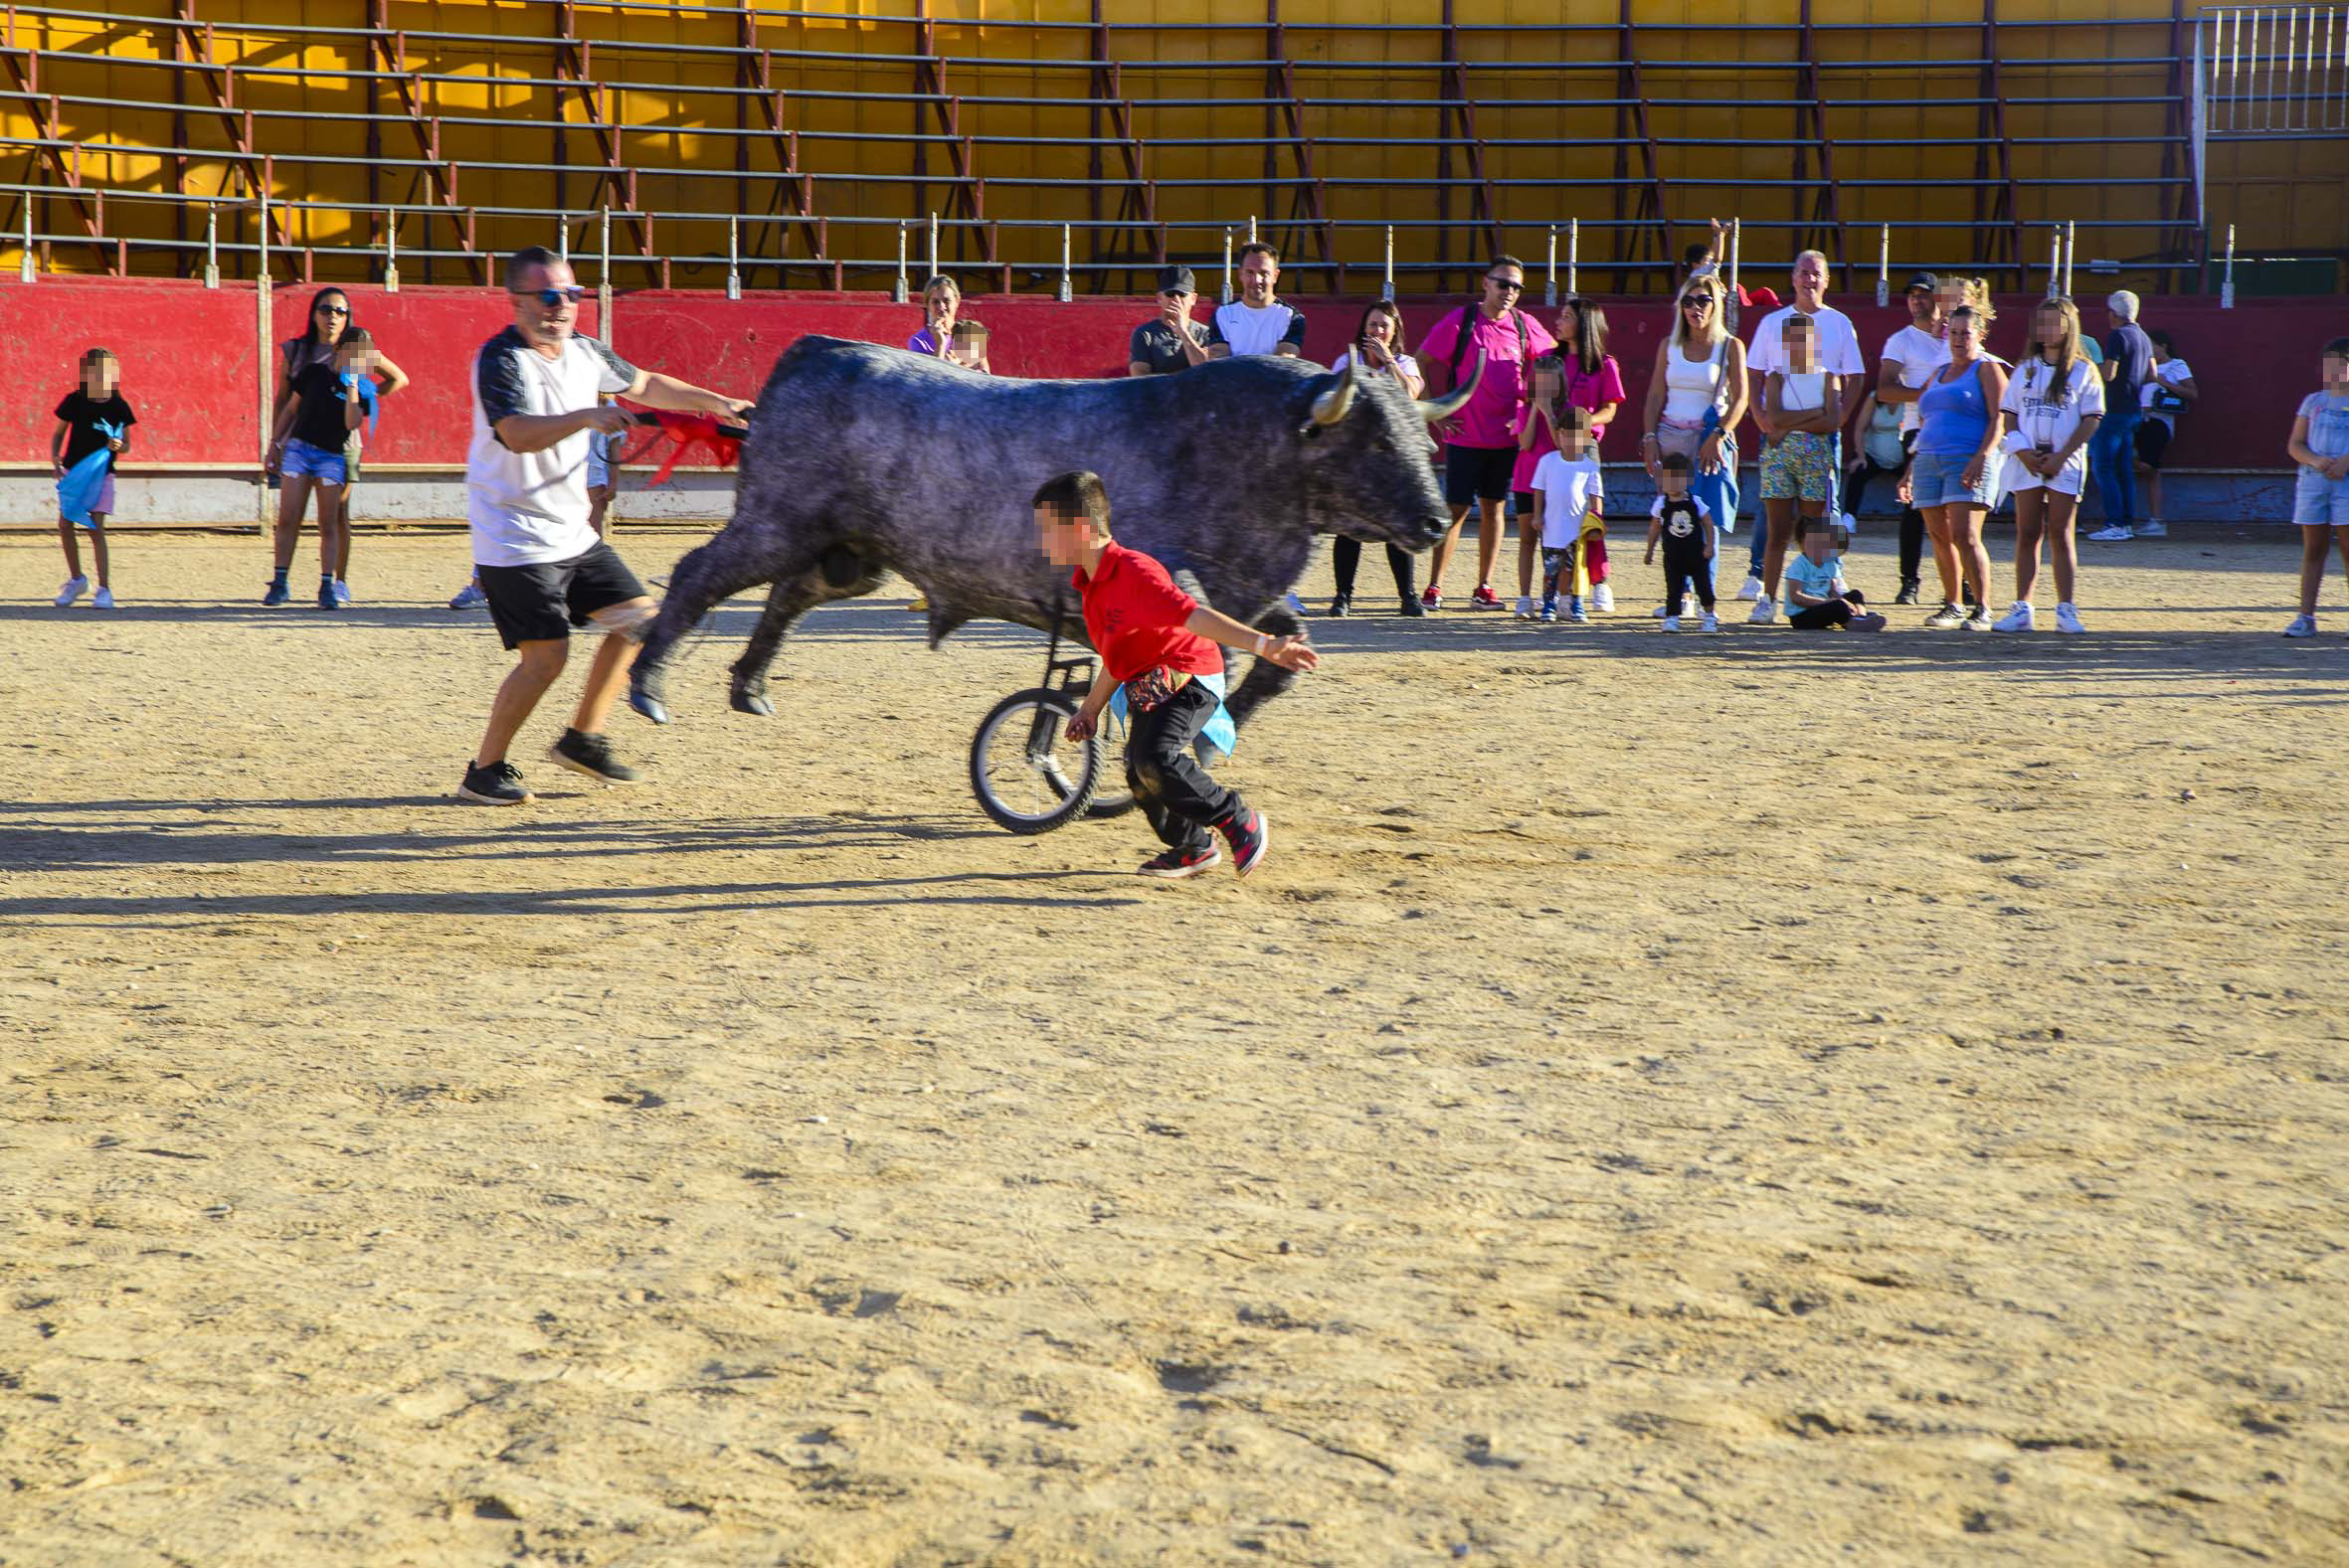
column 190, row 354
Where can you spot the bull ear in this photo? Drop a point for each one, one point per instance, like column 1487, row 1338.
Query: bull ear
column 1331, row 405
column 1451, row 402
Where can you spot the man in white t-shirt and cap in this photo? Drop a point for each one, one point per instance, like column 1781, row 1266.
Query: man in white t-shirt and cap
column 1838, row 355
column 542, row 566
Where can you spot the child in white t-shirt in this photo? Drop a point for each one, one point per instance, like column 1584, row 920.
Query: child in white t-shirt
column 1567, row 488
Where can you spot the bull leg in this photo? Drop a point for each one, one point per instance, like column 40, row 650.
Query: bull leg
column 1265, row 679
column 702, row 577
column 838, row 572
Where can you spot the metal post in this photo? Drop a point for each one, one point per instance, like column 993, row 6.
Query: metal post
column 933, row 245
column 1573, row 256
column 1066, row 293
column 2227, row 280
column 563, row 238
column 263, row 270
column 1251, row 228
column 904, row 289
column 2055, row 260
column 1387, row 287
column 2071, row 252
column 1227, row 267
column 211, row 244
column 1883, row 268
column 391, row 250
column 733, row 258
column 24, row 271
column 1549, row 271
column 1737, row 252
column 604, row 277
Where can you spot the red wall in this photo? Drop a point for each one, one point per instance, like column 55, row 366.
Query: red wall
column 190, row 355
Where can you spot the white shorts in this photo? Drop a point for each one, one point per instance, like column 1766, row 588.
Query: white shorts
column 2069, row 481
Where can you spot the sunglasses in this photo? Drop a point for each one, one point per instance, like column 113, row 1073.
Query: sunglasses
column 1698, row 303
column 334, row 310
column 1513, row 284
column 552, row 298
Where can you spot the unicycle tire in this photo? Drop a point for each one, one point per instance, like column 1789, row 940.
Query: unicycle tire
column 1020, row 793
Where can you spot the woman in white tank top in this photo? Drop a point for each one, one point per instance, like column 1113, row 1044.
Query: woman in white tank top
column 1693, row 404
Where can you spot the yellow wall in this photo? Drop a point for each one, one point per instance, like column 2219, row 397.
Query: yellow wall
column 2285, row 194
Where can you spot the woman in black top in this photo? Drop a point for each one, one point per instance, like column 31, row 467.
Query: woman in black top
column 324, row 405
column 330, row 317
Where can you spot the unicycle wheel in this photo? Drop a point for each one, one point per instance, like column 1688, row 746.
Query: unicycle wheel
column 1029, row 775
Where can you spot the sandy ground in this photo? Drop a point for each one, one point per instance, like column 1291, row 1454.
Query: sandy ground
column 1747, row 1100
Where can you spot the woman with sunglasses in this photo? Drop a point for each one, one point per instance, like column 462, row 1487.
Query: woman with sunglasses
column 1696, row 398
column 329, row 319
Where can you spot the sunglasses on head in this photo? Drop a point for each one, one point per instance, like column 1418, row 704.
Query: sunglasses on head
column 552, row 298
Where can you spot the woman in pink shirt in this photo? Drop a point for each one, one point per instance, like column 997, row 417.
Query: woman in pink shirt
column 1582, row 376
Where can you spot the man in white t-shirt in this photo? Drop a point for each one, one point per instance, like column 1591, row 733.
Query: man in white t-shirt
column 1911, row 357
column 1838, row 355
column 542, row 566
column 1256, row 322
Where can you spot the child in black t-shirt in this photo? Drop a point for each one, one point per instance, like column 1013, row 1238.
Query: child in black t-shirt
column 328, row 401
column 79, row 414
column 1683, row 524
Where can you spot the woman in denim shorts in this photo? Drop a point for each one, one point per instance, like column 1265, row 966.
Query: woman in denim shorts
column 2320, row 492
column 1955, row 465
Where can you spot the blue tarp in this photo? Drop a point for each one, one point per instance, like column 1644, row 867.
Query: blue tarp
column 78, row 491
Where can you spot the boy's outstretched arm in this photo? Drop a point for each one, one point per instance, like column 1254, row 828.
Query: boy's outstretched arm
column 1289, row 653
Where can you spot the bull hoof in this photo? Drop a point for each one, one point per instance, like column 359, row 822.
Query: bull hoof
column 650, row 706
column 753, row 702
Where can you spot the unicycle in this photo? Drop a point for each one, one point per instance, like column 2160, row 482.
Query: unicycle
column 1029, row 775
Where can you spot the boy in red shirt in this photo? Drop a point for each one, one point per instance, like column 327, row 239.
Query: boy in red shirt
column 1159, row 645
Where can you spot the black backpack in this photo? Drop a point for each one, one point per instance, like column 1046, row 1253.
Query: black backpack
column 1525, row 341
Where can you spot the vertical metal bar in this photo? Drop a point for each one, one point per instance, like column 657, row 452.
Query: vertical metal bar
column 1227, row 267
column 1575, row 256
column 1736, row 248
column 2071, row 253
column 733, row 256
column 1066, row 291
column 1386, row 286
column 903, row 290
column 25, row 272
column 211, row 245
column 1884, row 267
column 391, row 250
column 563, row 238
column 933, row 245
column 1549, row 271
column 1251, row 228
column 604, row 275
column 2227, row 280
column 2055, row 260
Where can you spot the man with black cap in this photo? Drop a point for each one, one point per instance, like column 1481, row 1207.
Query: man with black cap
column 1911, row 357
column 1171, row 340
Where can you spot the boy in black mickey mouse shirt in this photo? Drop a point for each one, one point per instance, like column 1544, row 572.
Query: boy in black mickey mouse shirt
column 1685, row 526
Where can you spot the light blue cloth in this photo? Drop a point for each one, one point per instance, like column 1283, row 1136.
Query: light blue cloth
column 78, row 491
column 367, row 397
column 1218, row 732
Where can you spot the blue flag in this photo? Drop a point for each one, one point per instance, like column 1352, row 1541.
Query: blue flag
column 78, row 491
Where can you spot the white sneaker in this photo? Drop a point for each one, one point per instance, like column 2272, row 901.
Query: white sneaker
column 1711, row 623
column 1851, row 524
column 1752, row 589
column 2015, row 619
column 2156, row 529
column 1677, row 609
column 1763, row 614
column 1671, row 623
column 72, row 591
column 105, row 599
column 2112, row 535
column 1602, row 599
column 342, row 592
column 2067, row 618
column 2301, row 626
column 1525, row 607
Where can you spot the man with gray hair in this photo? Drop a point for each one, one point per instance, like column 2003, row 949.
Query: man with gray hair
column 542, row 565
column 2112, row 451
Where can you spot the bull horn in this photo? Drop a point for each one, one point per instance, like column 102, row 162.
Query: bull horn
column 1331, row 405
column 1434, row 410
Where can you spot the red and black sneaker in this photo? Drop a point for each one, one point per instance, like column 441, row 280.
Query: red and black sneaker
column 1177, row 864
column 1247, row 833
column 1484, row 598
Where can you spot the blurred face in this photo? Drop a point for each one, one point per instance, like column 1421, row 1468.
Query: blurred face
column 1947, row 299
column 1258, row 274
column 1802, row 347
column 2336, row 372
column 547, row 327
column 1810, row 283
column 357, row 361
column 1923, row 308
column 1063, row 537
column 99, row 376
column 1965, row 338
column 1815, row 546
column 1504, row 285
column 2047, row 328
column 330, row 316
column 1676, row 484
column 1572, row 440
column 1546, row 385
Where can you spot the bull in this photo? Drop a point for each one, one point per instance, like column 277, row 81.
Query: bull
column 863, row 460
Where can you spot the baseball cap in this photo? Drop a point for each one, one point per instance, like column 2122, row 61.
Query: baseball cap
column 1177, row 281
column 1917, row 281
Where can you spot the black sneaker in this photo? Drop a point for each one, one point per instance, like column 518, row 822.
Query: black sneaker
column 1247, row 833
column 1177, row 864
column 497, row 785
column 1909, row 587
column 591, row 755
column 1338, row 607
column 1412, row 606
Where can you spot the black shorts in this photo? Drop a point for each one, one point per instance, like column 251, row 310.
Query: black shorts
column 1478, row 473
column 2153, row 438
column 542, row 603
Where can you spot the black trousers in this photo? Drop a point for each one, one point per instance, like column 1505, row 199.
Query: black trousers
column 1835, row 613
column 1347, row 554
column 1174, row 790
column 1683, row 573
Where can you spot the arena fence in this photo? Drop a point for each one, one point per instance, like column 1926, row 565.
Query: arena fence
column 756, row 146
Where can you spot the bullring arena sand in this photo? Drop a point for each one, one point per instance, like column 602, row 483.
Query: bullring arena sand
column 1762, row 1098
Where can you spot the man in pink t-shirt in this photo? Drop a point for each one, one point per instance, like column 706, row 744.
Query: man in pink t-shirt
column 1480, row 452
